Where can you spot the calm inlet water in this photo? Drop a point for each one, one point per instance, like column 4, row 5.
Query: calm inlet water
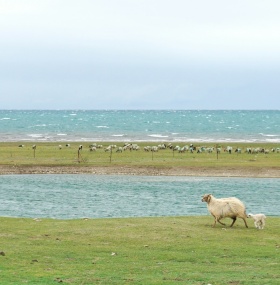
column 97, row 196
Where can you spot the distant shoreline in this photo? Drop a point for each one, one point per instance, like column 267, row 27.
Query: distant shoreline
column 146, row 171
column 51, row 160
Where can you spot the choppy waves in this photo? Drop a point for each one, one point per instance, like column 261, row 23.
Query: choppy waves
column 162, row 126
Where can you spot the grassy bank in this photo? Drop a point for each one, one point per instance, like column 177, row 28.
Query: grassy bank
column 49, row 154
column 164, row 250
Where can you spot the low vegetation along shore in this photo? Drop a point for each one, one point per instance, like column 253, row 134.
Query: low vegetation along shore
column 96, row 158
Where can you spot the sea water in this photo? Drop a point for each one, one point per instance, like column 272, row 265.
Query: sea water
column 140, row 125
column 76, row 196
column 105, row 196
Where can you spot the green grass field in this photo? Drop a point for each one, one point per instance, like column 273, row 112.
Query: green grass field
column 49, row 154
column 162, row 250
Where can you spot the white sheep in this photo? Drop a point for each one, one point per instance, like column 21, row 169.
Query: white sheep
column 154, row 149
column 229, row 149
column 259, row 220
column 225, row 208
column 108, row 148
column 238, row 150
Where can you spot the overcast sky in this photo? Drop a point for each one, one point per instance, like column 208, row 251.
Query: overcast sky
column 139, row 54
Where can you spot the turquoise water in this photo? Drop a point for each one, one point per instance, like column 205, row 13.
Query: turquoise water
column 146, row 125
column 76, row 196
column 97, row 196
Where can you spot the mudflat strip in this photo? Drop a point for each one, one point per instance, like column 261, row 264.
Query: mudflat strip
column 273, row 172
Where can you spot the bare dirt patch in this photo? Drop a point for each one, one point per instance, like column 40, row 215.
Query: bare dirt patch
column 136, row 170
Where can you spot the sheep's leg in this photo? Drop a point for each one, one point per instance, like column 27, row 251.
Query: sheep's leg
column 245, row 222
column 220, row 222
column 234, row 219
column 214, row 223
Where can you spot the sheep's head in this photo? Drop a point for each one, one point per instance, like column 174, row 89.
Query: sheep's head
column 206, row 198
column 249, row 216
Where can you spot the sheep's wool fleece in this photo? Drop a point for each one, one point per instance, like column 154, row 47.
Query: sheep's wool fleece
column 226, row 207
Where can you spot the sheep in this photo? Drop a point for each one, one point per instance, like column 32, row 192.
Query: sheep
column 210, row 149
column 134, row 146
column 162, row 146
column 256, row 150
column 109, row 148
column 228, row 149
column 154, row 149
column 182, row 149
column 259, row 220
column 147, row 148
column 176, row 147
column 225, row 207
column 238, row 150
column 92, row 145
column 248, row 150
column 137, row 147
column 170, row 146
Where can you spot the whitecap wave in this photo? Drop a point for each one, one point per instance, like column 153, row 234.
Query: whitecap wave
column 105, row 127
column 268, row 135
column 158, row 136
column 35, row 135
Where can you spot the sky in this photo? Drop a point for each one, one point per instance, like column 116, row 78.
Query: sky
column 139, row 54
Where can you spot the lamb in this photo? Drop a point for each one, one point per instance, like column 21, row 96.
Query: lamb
column 259, row 220
column 225, row 207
